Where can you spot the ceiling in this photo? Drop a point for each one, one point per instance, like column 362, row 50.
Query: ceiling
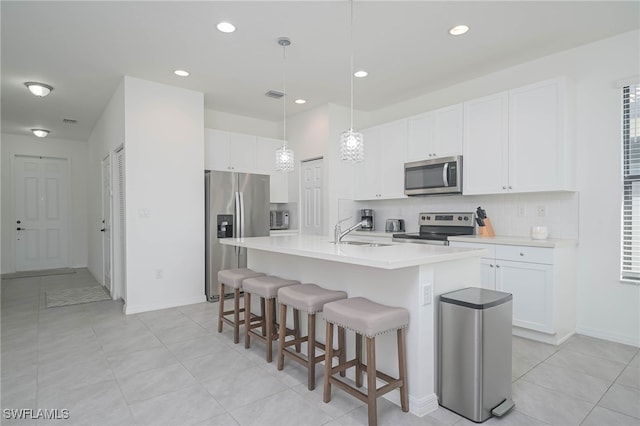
column 84, row 48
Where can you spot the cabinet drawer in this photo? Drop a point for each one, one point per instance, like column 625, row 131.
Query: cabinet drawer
column 525, row 254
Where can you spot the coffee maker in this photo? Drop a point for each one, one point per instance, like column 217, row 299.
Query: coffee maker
column 366, row 216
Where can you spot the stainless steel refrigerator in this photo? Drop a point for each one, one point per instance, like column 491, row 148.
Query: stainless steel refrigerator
column 236, row 205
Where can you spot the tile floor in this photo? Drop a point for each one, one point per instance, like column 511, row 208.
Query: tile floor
column 171, row 367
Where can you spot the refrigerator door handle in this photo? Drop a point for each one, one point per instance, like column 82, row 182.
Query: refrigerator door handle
column 242, row 233
column 238, row 221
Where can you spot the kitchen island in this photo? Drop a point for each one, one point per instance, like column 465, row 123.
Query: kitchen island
column 396, row 274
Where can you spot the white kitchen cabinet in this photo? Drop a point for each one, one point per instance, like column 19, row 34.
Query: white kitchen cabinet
column 486, row 145
column 381, row 174
column 266, row 164
column 542, row 282
column 435, row 134
column 228, row 151
column 518, row 141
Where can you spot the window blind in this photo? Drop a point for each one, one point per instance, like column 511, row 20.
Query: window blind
column 630, row 268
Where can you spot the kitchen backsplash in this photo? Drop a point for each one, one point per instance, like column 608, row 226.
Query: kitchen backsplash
column 510, row 214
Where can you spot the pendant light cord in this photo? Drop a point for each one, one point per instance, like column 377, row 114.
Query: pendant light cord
column 351, row 53
column 284, row 96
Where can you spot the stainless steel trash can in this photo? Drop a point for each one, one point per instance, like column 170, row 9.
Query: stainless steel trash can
column 474, row 353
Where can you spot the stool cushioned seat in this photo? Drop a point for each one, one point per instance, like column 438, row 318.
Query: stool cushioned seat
column 266, row 286
column 309, row 298
column 235, row 277
column 365, row 317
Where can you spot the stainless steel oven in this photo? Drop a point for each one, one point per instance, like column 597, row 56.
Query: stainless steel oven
column 433, row 177
column 436, row 228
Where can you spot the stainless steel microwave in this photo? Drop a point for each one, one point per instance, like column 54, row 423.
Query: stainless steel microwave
column 433, row 177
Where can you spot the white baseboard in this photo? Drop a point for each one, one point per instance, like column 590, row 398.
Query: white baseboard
column 136, row 309
column 552, row 339
column 606, row 335
column 417, row 406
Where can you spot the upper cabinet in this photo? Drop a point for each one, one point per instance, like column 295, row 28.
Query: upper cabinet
column 435, row 134
column 227, row 151
column 237, row 152
column 381, row 174
column 518, row 141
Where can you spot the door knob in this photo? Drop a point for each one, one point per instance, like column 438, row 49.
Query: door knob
column 102, row 230
column 20, row 229
column 18, row 222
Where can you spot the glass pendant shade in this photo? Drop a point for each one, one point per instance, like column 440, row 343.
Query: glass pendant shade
column 351, row 146
column 284, row 159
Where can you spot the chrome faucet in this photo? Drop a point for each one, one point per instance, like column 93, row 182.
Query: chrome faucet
column 338, row 234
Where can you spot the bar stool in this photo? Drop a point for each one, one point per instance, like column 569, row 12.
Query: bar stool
column 369, row 319
column 267, row 288
column 309, row 298
column 233, row 278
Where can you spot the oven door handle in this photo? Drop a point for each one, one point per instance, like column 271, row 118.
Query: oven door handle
column 445, row 174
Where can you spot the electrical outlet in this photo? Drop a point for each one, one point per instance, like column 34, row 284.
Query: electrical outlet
column 522, row 211
column 542, row 211
column 426, row 294
column 158, row 274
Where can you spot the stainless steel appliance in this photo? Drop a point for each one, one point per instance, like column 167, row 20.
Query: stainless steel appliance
column 366, row 216
column 279, row 219
column 439, row 176
column 474, row 353
column 394, row 225
column 236, row 205
column 436, row 228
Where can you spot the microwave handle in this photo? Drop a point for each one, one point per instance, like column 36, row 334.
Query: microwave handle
column 445, row 174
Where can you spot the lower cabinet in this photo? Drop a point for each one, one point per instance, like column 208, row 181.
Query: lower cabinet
column 542, row 282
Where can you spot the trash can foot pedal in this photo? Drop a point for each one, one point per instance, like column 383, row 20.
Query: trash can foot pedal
column 503, row 408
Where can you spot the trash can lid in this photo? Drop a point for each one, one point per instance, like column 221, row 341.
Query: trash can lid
column 476, row 298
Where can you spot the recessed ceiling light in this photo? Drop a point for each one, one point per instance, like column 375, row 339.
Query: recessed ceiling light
column 360, row 74
column 41, row 133
column 226, row 27
column 458, row 30
column 38, row 89
column 300, row 101
column 181, row 73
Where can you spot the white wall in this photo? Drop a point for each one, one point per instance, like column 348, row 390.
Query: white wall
column 240, row 124
column 106, row 136
column 164, row 132
column 77, row 154
column 606, row 307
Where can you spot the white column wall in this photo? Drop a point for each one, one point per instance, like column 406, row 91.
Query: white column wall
column 164, row 131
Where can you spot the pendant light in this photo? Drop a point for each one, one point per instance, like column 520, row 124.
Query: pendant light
column 284, row 155
column 351, row 141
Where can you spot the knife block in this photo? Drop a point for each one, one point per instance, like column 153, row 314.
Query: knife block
column 487, row 229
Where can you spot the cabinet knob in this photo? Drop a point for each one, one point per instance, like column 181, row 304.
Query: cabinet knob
column 521, row 254
column 490, row 265
column 497, row 266
column 504, row 187
column 510, row 187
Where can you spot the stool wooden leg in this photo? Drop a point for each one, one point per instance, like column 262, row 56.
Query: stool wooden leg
column 328, row 363
column 236, row 315
column 270, row 321
column 282, row 332
column 262, row 314
column 247, row 319
column 296, row 328
column 342, row 347
column 371, row 381
column 402, row 371
column 358, row 360
column 220, row 307
column 311, row 351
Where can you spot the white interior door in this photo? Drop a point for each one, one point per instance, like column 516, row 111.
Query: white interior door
column 41, row 191
column 119, row 225
column 106, row 223
column 311, row 176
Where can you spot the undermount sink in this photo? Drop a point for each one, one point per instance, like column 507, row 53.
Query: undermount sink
column 362, row 243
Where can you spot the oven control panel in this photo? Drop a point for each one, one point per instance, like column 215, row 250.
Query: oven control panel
column 447, row 219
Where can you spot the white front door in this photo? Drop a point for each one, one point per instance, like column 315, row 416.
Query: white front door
column 106, row 224
column 41, row 191
column 311, row 176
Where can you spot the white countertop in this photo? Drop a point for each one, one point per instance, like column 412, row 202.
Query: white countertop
column 515, row 241
column 393, row 256
column 374, row 234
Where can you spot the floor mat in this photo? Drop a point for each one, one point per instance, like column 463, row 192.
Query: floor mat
column 27, row 274
column 75, row 296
